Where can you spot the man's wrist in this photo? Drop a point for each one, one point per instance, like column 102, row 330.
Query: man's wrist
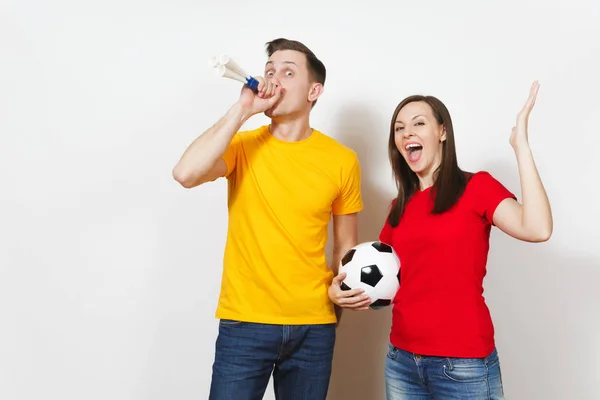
column 240, row 113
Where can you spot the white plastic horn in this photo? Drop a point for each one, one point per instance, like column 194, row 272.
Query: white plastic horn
column 213, row 62
column 225, row 72
column 226, row 60
column 227, row 68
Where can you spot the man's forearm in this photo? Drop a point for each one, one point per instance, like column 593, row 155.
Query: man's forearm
column 335, row 261
column 335, row 264
column 345, row 237
column 205, row 151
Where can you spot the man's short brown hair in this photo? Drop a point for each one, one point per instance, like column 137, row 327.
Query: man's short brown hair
column 316, row 68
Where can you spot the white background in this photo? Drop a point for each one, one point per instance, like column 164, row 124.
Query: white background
column 110, row 271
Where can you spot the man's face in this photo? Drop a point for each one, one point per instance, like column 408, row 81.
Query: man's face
column 288, row 69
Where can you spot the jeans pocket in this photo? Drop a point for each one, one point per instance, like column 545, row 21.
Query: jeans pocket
column 322, row 331
column 465, row 371
column 392, row 351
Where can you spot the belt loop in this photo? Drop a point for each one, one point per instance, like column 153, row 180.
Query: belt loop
column 450, row 365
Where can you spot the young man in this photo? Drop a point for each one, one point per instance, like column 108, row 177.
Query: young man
column 285, row 180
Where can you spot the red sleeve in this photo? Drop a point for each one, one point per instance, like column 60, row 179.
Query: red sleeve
column 385, row 235
column 488, row 194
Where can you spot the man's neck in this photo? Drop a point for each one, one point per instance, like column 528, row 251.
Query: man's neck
column 292, row 130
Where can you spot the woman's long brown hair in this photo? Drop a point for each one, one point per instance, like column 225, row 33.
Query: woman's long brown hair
column 449, row 180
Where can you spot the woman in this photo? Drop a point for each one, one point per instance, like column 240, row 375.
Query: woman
column 442, row 337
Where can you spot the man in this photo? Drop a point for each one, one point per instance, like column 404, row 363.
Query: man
column 285, row 180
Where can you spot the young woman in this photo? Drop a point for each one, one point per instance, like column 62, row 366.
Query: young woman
column 442, row 337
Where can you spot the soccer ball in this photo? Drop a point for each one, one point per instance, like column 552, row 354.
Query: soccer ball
column 375, row 268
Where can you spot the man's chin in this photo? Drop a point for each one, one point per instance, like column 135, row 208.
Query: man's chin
column 273, row 113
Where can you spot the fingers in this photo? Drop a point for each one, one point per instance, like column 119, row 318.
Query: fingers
column 355, row 302
column 264, row 87
column 275, row 95
column 352, row 293
column 535, row 87
column 361, row 305
column 533, row 91
column 337, row 280
column 270, row 90
column 261, row 85
column 532, row 95
column 354, row 298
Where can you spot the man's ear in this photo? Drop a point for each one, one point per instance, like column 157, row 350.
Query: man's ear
column 316, row 89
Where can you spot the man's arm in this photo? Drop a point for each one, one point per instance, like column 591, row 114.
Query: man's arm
column 202, row 160
column 345, row 236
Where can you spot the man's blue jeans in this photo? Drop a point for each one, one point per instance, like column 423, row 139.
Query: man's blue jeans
column 298, row 356
column 412, row 377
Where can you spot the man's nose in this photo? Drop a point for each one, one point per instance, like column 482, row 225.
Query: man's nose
column 274, row 79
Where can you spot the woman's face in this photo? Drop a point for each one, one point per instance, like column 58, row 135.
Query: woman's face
column 419, row 138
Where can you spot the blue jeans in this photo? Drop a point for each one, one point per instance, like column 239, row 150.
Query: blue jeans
column 412, row 377
column 298, row 356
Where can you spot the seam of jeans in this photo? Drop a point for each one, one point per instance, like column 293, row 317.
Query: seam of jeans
column 487, row 380
column 487, row 358
column 283, row 342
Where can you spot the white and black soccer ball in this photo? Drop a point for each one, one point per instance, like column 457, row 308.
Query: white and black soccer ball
column 375, row 268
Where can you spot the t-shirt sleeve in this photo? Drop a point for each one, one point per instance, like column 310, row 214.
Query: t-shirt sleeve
column 349, row 199
column 231, row 154
column 489, row 193
column 385, row 235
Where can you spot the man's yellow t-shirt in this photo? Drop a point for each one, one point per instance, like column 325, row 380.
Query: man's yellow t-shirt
column 281, row 197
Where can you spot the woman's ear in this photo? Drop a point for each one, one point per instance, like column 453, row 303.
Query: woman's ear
column 443, row 135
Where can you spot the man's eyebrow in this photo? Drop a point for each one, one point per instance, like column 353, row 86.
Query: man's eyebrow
column 285, row 62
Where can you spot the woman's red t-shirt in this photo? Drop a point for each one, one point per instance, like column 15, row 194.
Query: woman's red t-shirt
column 439, row 309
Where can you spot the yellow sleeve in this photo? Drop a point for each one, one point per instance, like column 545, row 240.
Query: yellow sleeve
column 349, row 199
column 231, row 154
